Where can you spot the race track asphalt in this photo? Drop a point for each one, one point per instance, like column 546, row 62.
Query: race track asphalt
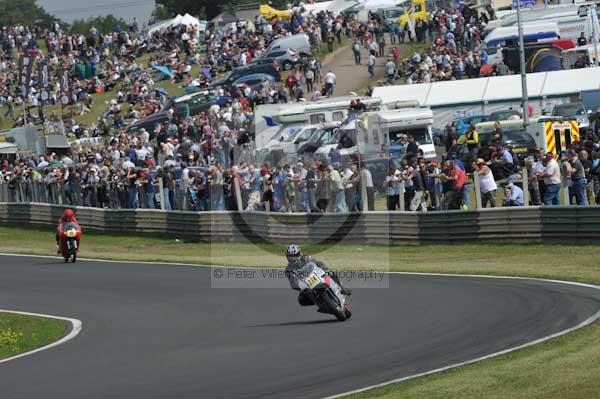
column 156, row 331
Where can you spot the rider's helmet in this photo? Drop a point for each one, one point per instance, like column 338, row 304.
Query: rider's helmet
column 293, row 253
column 68, row 214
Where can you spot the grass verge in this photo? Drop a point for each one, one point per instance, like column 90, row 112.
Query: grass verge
column 566, row 262
column 22, row 333
column 566, row 367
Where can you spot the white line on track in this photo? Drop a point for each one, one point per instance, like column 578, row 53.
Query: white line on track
column 587, row 322
column 76, row 326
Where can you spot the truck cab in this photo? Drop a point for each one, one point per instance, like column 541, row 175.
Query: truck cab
column 415, row 10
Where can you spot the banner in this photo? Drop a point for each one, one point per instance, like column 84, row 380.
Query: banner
column 25, row 68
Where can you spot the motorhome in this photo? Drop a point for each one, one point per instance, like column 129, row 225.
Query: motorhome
column 571, row 21
column 385, row 127
column 549, row 12
column 270, row 118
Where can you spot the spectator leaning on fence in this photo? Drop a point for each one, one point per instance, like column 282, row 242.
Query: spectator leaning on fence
column 487, row 184
column 552, row 180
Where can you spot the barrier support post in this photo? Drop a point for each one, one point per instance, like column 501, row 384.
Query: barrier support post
column 161, row 191
column 564, row 185
column 238, row 194
column 526, row 196
column 478, row 203
column 402, row 191
column 364, row 197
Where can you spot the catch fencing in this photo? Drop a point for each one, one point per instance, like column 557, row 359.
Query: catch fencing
column 509, row 225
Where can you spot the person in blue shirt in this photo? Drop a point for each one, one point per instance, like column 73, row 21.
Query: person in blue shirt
column 513, row 195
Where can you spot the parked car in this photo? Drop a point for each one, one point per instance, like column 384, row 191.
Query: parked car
column 149, row 123
column 573, row 111
column 195, row 103
column 254, row 81
column 504, row 115
column 250, row 69
column 461, row 125
column 266, row 61
column 299, row 43
column 287, row 58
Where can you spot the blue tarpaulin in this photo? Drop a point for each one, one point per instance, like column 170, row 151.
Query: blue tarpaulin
column 164, row 70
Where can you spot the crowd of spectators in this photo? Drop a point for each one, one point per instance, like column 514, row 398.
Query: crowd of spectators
column 455, row 51
column 575, row 171
column 203, row 161
column 191, row 156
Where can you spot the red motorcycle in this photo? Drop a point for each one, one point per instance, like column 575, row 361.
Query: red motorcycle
column 69, row 236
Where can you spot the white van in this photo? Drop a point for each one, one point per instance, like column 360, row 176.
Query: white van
column 298, row 43
column 499, row 38
column 534, row 32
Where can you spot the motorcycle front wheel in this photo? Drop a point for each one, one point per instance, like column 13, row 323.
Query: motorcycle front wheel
column 332, row 304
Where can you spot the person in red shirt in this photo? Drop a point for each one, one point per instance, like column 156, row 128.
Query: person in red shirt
column 457, row 179
column 290, row 84
column 67, row 217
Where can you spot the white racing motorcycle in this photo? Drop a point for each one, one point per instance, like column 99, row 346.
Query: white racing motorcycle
column 318, row 285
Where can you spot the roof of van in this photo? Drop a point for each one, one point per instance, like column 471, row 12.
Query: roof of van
column 307, row 106
column 528, row 29
column 405, row 114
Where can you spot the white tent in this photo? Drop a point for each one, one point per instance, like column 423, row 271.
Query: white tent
column 185, row 20
column 376, row 4
column 484, row 95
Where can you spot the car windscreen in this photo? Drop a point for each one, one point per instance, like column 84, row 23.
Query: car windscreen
column 517, row 137
column 305, row 135
column 476, row 119
column 568, row 110
column 328, row 136
column 397, row 13
column 420, row 134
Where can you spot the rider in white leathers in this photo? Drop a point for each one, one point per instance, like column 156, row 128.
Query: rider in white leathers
column 296, row 261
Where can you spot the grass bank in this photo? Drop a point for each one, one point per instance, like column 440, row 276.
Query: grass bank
column 566, row 367
column 567, row 262
column 21, row 333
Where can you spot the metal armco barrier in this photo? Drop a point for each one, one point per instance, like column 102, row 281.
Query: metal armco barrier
column 519, row 225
